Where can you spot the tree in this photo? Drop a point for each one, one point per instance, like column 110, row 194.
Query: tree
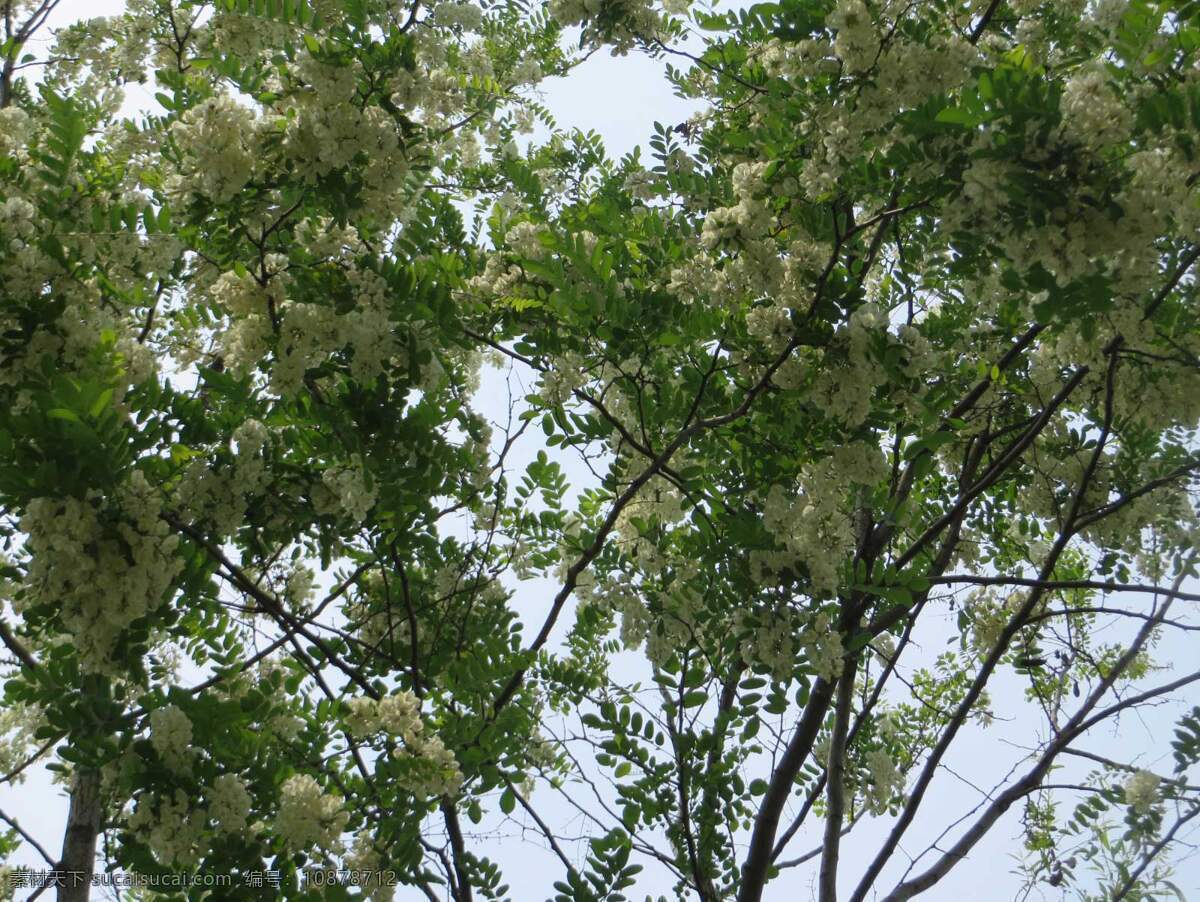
column 895, row 342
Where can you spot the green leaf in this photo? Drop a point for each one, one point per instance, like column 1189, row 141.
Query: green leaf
column 956, row 116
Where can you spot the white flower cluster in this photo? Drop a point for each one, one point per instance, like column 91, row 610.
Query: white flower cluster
column 325, row 239
column 1160, row 177
column 366, row 858
column 823, row 648
column 641, row 185
column 681, row 620
column 749, row 219
column 171, row 826
column 245, row 341
column 326, row 130
column 218, row 496
column 298, row 585
column 1106, row 15
column 773, row 645
column 624, row 599
column 909, row 73
column 857, row 41
column 248, row 440
column 523, row 239
column 25, row 270
column 219, row 144
column 171, row 736
column 990, row 615
column 1141, row 791
column 101, row 572
column 565, row 373
column 850, row 374
column 398, row 714
column 286, row 726
column 777, row 644
column 573, row 12
column 308, row 333
column 1092, row 113
column 906, row 73
column 229, row 803
column 18, row 724
column 15, row 132
column 20, row 222
column 434, row 771
column 632, row 19
column 308, row 817
column 658, row 502
column 229, row 34
column 455, row 14
column 814, row 526
column 345, row 488
column 885, row 780
column 362, row 716
column 1082, row 236
column 635, row 620
column 527, row 72
column 500, row 279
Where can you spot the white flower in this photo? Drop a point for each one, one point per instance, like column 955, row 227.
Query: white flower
column 229, row 803
column 285, row 726
column 885, row 779
column 14, row 131
column 522, row 238
column 366, row 859
column 298, row 586
column 170, row 826
column 1107, row 14
column 346, row 488
column 308, row 817
column 250, row 437
column 217, row 140
column 1092, row 112
column 467, row 16
column 824, row 647
column 434, row 770
column 171, row 736
column 362, row 716
column 1141, row 791
column 857, row 42
column 527, row 72
column 99, row 569
column 400, row 714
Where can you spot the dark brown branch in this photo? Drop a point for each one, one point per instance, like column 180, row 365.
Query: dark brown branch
column 766, row 824
column 982, row 24
column 459, row 850
column 835, row 770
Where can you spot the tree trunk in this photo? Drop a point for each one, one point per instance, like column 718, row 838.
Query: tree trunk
column 79, row 842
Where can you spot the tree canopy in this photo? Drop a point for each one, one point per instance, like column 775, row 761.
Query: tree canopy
column 383, row 489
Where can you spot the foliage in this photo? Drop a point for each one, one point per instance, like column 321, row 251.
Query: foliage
column 640, row 501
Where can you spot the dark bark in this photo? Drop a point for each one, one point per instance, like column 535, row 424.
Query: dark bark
column 79, row 841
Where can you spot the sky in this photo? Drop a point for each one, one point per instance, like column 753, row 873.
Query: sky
column 620, row 98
